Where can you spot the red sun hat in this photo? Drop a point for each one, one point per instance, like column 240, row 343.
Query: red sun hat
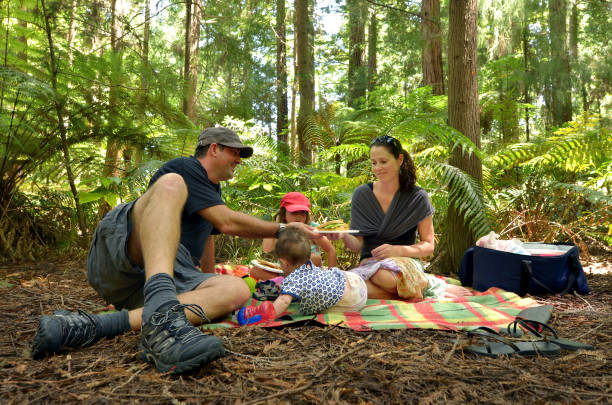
column 295, row 201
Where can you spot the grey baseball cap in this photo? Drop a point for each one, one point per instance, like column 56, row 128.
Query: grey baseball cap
column 226, row 137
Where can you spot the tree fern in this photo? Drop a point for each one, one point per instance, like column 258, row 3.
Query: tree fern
column 467, row 194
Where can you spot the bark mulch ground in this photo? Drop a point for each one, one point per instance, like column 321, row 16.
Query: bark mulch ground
column 303, row 364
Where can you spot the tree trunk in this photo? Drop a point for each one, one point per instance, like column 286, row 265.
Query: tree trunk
column 372, row 52
column 113, row 142
column 509, row 116
column 188, row 80
column 61, row 120
column 579, row 79
column 433, row 74
column 357, row 73
column 526, row 83
column 144, row 82
column 282, row 112
column 294, row 90
column 463, row 114
column 305, row 62
column 559, row 63
column 71, row 30
column 22, row 54
column 194, row 38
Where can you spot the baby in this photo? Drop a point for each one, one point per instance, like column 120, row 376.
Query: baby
column 315, row 289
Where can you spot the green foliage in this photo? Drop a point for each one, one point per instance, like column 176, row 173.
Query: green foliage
column 572, row 167
column 580, row 146
column 417, row 120
column 136, row 99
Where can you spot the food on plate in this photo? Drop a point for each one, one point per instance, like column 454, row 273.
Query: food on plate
column 268, row 264
column 335, row 225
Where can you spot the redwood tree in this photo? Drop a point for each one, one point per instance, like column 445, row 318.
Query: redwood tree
column 463, row 114
column 305, row 43
column 372, row 51
column 357, row 70
column 432, row 46
column 282, row 111
column 559, row 62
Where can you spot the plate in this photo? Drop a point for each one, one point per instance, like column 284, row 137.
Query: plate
column 346, row 231
column 257, row 263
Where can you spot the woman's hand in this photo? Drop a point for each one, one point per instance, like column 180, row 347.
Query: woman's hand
column 386, row 251
column 331, row 236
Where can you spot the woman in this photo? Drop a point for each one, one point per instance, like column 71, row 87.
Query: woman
column 388, row 213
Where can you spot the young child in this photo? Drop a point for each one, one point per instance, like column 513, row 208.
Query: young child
column 295, row 207
column 315, row 289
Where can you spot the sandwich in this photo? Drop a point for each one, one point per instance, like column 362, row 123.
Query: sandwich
column 335, row 225
column 269, row 264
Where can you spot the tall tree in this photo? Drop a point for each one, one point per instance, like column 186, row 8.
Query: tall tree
column 527, row 76
column 357, row 70
column 135, row 152
column 433, row 74
column 559, row 62
column 463, row 114
column 372, row 51
column 59, row 109
column 282, row 124
column 574, row 57
column 304, row 11
column 193, row 19
column 113, row 141
column 71, row 30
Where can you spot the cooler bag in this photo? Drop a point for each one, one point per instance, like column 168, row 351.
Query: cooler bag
column 552, row 268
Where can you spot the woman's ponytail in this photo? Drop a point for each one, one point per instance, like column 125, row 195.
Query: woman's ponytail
column 407, row 173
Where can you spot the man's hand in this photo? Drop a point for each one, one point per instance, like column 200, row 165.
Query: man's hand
column 252, row 315
column 309, row 230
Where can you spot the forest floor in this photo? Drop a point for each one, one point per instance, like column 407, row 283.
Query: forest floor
column 300, row 364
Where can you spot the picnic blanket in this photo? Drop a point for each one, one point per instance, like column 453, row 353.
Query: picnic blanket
column 494, row 308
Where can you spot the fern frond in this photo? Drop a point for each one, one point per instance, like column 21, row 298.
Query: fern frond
column 466, row 193
column 591, row 195
column 576, row 146
column 436, row 152
column 348, row 152
column 514, row 154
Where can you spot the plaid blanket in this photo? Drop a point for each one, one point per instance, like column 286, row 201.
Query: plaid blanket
column 494, row 308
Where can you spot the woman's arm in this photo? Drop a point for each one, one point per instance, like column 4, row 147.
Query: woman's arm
column 425, row 247
column 329, row 249
column 352, row 242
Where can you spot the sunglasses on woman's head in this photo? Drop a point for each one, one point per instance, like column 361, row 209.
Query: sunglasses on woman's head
column 386, row 140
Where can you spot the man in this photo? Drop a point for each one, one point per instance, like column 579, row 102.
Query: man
column 143, row 258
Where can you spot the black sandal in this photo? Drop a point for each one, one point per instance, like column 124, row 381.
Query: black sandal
column 539, row 330
column 504, row 347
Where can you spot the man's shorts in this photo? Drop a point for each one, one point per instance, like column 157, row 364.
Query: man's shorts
column 355, row 294
column 113, row 275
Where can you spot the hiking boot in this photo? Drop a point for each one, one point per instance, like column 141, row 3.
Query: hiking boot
column 64, row 329
column 173, row 344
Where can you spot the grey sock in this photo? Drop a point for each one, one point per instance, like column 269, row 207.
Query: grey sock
column 113, row 324
column 158, row 290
